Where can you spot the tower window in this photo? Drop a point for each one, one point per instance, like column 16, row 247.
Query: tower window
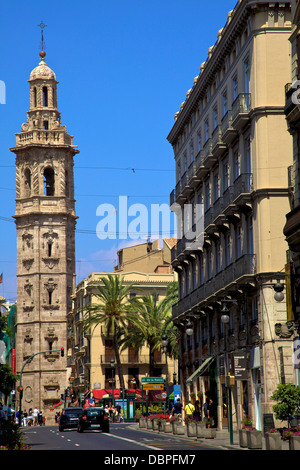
column 45, row 96
column 27, row 175
column 49, row 249
column 50, row 297
column 45, row 125
column 34, row 98
column 49, row 182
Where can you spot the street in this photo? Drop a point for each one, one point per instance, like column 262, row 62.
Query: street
column 122, row 437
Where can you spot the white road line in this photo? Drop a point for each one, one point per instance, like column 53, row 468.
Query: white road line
column 132, row 441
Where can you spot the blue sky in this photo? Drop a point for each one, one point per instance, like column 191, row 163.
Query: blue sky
column 124, row 68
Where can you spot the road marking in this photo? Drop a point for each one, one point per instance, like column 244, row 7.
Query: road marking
column 132, row 441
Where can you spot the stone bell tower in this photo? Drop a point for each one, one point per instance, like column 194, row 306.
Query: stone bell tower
column 45, row 220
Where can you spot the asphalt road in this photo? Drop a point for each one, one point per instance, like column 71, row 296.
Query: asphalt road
column 121, row 438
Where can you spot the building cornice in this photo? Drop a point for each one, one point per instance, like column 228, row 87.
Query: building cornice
column 233, row 27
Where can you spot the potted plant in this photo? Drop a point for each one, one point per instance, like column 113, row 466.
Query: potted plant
column 191, row 426
column 243, row 441
column 295, row 440
column 273, row 439
column 254, row 438
column 177, row 426
column 142, row 421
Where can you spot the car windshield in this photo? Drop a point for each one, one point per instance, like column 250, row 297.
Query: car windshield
column 92, row 413
column 72, row 413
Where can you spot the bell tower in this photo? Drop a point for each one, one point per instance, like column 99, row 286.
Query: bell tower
column 45, row 221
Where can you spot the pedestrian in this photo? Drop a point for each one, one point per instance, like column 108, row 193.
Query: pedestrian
column 30, row 419
column 197, row 411
column 205, row 407
column 25, row 415
column 189, row 409
column 177, row 408
column 211, row 412
column 40, row 418
column 118, row 412
column 35, row 416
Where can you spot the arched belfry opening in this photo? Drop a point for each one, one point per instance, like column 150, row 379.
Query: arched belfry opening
column 48, row 181
column 45, row 96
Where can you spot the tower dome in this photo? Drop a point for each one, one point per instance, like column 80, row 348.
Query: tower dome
column 42, row 71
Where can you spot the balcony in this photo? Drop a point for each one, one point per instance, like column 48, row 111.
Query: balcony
column 208, row 158
column 218, row 146
column 192, row 178
column 292, row 108
column 241, row 110
column 238, row 273
column 130, row 359
column 201, row 170
column 228, row 131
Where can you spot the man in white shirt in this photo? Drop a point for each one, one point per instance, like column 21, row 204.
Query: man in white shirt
column 35, row 415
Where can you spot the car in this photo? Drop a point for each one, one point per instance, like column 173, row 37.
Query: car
column 69, row 418
column 93, row 418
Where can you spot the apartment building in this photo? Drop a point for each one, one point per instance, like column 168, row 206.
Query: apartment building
column 232, row 152
column 292, row 226
column 149, row 267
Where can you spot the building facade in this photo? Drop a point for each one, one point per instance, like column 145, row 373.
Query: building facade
column 149, row 267
column 232, row 154
column 292, row 226
column 45, row 221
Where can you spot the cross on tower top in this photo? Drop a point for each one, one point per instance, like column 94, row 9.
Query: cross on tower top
column 42, row 25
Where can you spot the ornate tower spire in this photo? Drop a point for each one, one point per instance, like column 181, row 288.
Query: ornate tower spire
column 45, row 221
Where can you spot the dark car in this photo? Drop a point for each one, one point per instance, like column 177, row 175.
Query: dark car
column 93, row 418
column 69, row 418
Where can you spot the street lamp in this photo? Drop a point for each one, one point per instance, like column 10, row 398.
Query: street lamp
column 225, row 320
column 112, row 365
column 189, row 328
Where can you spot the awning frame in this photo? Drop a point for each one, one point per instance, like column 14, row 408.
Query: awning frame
column 204, row 366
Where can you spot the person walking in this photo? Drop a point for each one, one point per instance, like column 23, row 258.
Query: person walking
column 189, row 409
column 211, row 412
column 197, row 411
column 35, row 416
column 177, row 408
column 205, row 408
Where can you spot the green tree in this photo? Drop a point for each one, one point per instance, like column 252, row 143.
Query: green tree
column 7, row 380
column 111, row 311
column 149, row 320
column 288, row 401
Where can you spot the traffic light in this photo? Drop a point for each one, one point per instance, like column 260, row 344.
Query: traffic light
column 62, row 352
column 21, row 392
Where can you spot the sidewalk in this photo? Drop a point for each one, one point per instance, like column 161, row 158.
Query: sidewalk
column 222, row 439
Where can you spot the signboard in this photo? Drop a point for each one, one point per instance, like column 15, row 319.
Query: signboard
column 150, row 386
column 268, row 422
column 240, row 366
column 177, row 391
column 152, row 380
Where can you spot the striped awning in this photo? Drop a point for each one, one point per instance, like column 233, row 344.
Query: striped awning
column 204, row 366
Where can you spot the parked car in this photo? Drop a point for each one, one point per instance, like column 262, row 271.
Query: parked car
column 69, row 418
column 93, row 418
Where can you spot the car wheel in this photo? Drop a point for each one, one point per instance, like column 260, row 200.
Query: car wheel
column 60, row 428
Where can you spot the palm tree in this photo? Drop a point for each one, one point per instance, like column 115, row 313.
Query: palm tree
column 148, row 320
column 111, row 312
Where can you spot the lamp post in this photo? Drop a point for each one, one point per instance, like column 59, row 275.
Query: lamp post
column 164, row 343
column 225, row 321
column 112, row 365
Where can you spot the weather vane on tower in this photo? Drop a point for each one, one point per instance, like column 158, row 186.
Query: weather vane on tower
column 42, row 26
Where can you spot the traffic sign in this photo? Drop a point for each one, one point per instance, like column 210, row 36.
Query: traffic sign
column 153, row 386
column 152, row 380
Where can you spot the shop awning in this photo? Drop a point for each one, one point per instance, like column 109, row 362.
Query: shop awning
column 204, row 366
